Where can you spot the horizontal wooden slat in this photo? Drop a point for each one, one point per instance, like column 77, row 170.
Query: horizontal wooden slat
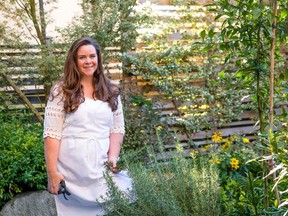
column 23, row 88
column 201, row 143
column 22, row 106
column 226, row 132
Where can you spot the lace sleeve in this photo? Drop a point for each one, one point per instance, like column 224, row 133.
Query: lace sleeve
column 54, row 116
column 118, row 119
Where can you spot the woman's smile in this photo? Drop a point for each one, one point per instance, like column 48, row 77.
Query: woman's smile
column 87, row 60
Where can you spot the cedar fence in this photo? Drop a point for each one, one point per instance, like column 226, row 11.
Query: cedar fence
column 246, row 124
column 21, row 70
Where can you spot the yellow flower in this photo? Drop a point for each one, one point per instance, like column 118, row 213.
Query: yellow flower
column 214, row 161
column 205, row 148
column 226, row 145
column 217, row 137
column 234, row 163
column 159, row 128
column 193, row 153
column 246, row 140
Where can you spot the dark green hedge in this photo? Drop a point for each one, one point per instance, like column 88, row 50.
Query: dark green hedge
column 22, row 164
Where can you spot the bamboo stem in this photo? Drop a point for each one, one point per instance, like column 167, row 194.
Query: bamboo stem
column 261, row 114
column 271, row 98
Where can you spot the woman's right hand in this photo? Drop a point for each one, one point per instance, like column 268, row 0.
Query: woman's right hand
column 54, row 179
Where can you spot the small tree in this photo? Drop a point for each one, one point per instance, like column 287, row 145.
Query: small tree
column 183, row 71
column 245, row 39
column 26, row 18
column 25, row 21
column 111, row 23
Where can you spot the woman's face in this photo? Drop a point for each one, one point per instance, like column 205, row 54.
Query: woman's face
column 87, row 60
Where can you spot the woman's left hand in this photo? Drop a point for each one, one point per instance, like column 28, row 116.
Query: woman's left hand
column 112, row 164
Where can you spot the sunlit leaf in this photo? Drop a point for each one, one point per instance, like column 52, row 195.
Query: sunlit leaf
column 284, row 13
column 211, row 33
column 222, row 74
column 256, row 13
column 203, row 34
column 218, row 16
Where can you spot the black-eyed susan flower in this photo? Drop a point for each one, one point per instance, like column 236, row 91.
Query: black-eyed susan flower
column 217, row 136
column 226, row 145
column 234, row 163
column 206, row 148
column 246, row 140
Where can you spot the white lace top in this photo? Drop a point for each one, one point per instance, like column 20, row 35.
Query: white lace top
column 92, row 118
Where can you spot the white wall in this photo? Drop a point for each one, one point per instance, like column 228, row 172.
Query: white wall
column 62, row 15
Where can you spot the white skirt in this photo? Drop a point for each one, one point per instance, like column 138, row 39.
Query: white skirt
column 81, row 162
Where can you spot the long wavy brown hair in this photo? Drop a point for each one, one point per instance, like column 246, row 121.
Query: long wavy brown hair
column 70, row 83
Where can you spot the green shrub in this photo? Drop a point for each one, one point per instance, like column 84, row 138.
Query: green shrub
column 176, row 187
column 141, row 121
column 241, row 180
column 22, row 164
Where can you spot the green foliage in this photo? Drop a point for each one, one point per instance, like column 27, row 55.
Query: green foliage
column 30, row 66
column 111, row 23
column 178, row 25
column 240, row 175
column 50, row 65
column 25, row 20
column 278, row 143
column 141, row 119
column 245, row 39
column 200, row 95
column 241, row 187
column 177, row 187
column 171, row 188
column 22, row 165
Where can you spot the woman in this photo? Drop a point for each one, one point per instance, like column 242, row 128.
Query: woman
column 83, row 129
